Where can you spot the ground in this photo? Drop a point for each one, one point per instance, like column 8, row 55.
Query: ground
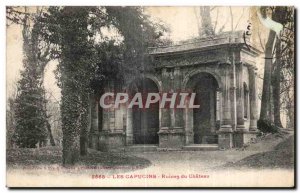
column 273, row 151
column 282, row 156
column 270, row 151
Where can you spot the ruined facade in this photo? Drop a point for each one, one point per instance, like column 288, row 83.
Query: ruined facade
column 220, row 70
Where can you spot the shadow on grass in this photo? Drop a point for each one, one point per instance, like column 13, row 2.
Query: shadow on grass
column 47, row 156
column 282, row 156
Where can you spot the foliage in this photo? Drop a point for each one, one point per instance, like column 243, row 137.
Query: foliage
column 287, row 67
column 10, row 122
column 67, row 29
column 14, row 15
column 32, row 125
column 128, row 58
column 88, row 60
column 278, row 85
column 267, row 126
column 30, row 116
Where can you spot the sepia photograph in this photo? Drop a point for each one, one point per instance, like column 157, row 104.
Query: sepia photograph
column 150, row 96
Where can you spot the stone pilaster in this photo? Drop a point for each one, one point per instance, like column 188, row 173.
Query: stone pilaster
column 119, row 121
column 226, row 105
column 244, row 136
column 171, row 133
column 225, row 132
column 165, row 112
column 240, row 100
column 178, row 112
column 253, row 100
column 108, row 115
column 106, row 120
column 189, row 125
column 212, row 110
column 112, row 137
column 129, row 127
column 233, row 91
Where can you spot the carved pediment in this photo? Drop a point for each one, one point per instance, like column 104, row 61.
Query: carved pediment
column 189, row 60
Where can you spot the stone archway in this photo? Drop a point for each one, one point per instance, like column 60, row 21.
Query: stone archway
column 144, row 123
column 203, row 122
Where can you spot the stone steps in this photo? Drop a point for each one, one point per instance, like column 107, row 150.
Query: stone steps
column 201, row 147
column 192, row 147
column 141, row 148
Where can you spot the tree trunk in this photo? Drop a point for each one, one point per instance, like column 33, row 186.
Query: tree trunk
column 70, row 150
column 290, row 114
column 70, row 113
column 265, row 103
column 276, row 85
column 206, row 25
column 279, row 15
column 74, row 75
column 271, row 106
column 84, row 124
column 52, row 142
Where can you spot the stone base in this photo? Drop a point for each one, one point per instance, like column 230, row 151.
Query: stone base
column 93, row 141
column 201, row 147
column 189, row 138
column 111, row 141
column 242, row 138
column 141, row 148
column 171, row 138
column 225, row 140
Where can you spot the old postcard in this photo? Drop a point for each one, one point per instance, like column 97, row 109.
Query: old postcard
column 122, row 96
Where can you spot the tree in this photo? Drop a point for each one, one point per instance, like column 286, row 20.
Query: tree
column 86, row 64
column 286, row 66
column 10, row 123
column 274, row 54
column 31, row 118
column 205, row 27
column 14, row 15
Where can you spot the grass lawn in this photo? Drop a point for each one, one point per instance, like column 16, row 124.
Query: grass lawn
column 281, row 156
column 21, row 157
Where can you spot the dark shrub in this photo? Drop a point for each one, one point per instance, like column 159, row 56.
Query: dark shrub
column 267, row 126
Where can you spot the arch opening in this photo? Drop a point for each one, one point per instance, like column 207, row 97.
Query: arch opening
column 145, row 121
column 206, row 119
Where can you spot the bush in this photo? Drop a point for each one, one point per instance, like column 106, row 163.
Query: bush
column 267, row 126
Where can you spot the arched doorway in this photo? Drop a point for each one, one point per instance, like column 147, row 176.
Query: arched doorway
column 145, row 122
column 205, row 119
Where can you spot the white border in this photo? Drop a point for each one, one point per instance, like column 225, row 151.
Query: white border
column 103, row 2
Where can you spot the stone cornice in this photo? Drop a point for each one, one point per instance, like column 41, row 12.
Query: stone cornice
column 223, row 41
column 192, row 60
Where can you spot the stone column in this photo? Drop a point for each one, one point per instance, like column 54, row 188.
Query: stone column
column 178, row 112
column 106, row 120
column 212, row 110
column 119, row 118
column 240, row 99
column 171, row 133
column 108, row 114
column 253, row 100
column 220, row 106
column 233, row 92
column 225, row 132
column 165, row 119
column 226, row 108
column 129, row 127
column 189, row 124
column 165, row 112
